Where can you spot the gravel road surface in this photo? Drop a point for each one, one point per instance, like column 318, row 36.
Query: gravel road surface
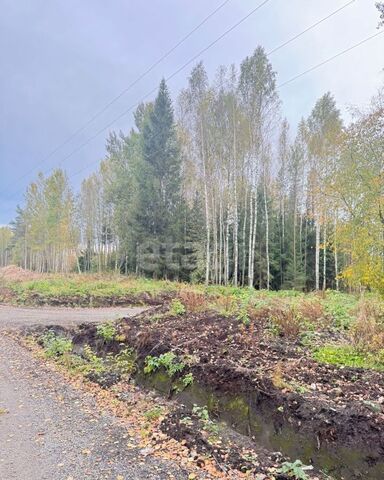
column 51, row 431
column 11, row 317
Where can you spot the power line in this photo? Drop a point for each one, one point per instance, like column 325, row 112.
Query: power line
column 209, row 46
column 129, row 109
column 268, row 54
column 181, row 68
column 284, row 83
column 310, row 27
column 123, row 92
column 330, row 59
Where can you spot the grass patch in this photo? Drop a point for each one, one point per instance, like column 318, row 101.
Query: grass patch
column 348, row 356
column 340, row 307
column 87, row 289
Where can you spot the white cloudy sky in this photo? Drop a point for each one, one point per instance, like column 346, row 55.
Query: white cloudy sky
column 61, row 61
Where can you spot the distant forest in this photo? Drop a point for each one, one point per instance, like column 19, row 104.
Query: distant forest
column 218, row 188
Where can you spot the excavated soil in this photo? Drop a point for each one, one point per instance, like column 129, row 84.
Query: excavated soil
column 327, row 410
column 331, row 407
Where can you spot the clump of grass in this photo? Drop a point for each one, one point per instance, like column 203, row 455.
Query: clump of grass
column 88, row 288
column 291, row 317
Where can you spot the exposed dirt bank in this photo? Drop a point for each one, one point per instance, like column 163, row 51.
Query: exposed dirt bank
column 333, row 417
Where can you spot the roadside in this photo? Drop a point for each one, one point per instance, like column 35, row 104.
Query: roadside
column 49, row 430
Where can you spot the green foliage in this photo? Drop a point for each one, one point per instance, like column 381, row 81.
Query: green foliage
column 339, row 306
column 55, row 345
column 45, row 230
column 295, row 470
column 243, row 316
column 157, row 201
column 168, row 361
column 87, row 289
column 201, row 412
column 125, row 361
column 154, row 413
column 208, row 424
column 177, row 308
column 106, row 331
column 184, row 382
column 93, row 362
column 187, row 380
column 346, row 355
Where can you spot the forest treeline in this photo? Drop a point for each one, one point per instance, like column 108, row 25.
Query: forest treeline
column 218, row 188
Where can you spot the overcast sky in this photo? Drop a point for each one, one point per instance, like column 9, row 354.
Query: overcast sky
column 62, row 61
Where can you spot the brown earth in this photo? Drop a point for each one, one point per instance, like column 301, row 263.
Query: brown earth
column 13, row 273
column 334, row 406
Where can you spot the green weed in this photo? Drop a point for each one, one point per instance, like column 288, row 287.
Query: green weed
column 346, row 355
column 177, row 308
column 154, row 413
column 167, row 360
column 55, row 345
column 295, row 470
column 107, row 331
column 208, row 425
column 125, row 361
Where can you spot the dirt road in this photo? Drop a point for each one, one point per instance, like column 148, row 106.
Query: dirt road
column 51, row 431
column 16, row 317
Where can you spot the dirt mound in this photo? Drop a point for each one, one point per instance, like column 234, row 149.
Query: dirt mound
column 14, row 273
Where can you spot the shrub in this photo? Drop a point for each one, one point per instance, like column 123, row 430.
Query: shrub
column 193, row 301
column 125, row 361
column 55, row 345
column 312, row 311
column 94, row 363
column 107, row 331
column 177, row 308
column 226, row 305
column 287, row 319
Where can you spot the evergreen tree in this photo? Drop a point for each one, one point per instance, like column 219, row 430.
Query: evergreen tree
column 158, row 205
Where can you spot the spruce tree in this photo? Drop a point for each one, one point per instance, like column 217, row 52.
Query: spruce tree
column 158, row 206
